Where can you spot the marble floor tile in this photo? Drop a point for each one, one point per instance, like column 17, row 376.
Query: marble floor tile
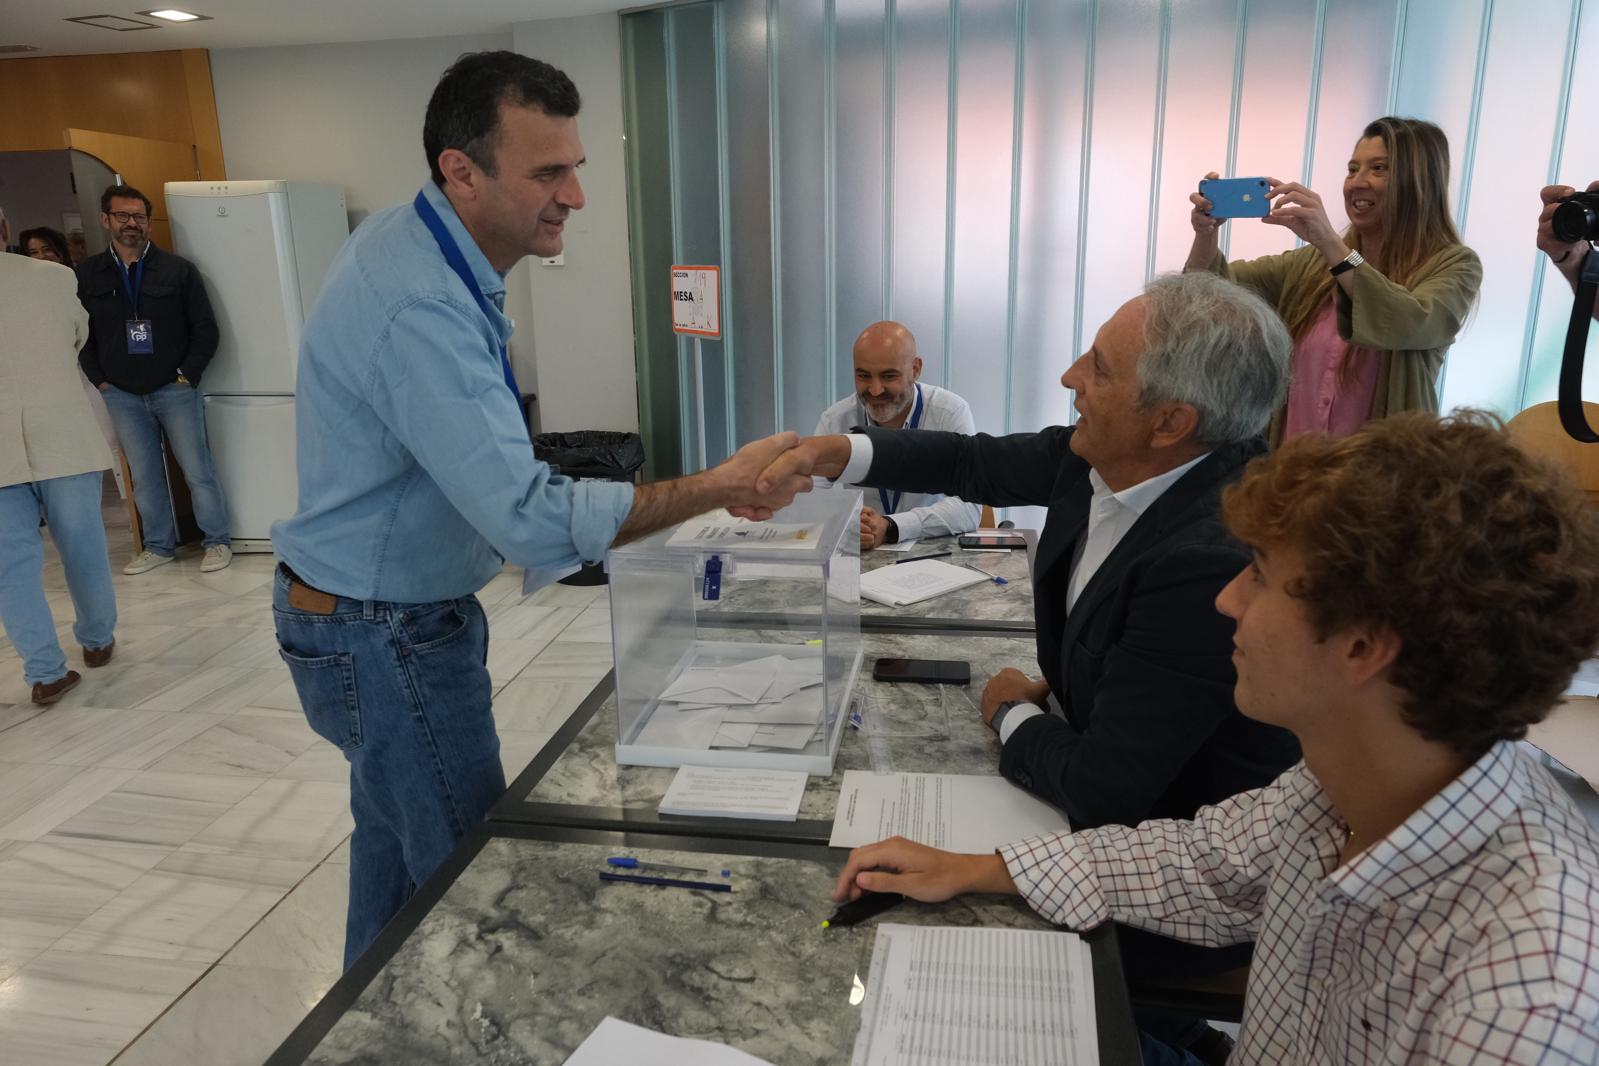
column 593, row 626
column 124, row 683
column 507, row 658
column 282, row 696
column 156, row 808
column 193, row 906
column 169, row 608
column 141, row 641
column 339, row 856
column 234, row 1016
column 299, row 820
column 305, row 931
column 15, row 714
column 559, row 595
column 538, row 705
column 517, row 750
column 249, row 745
column 530, row 622
column 320, row 762
column 238, row 611
column 35, row 800
column 506, row 585
column 72, row 1009
column 258, row 650
column 197, row 644
column 214, row 689
column 86, row 736
column 568, row 662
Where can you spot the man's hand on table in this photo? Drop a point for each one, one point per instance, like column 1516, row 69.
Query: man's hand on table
column 1011, row 684
column 874, row 529
column 920, row 872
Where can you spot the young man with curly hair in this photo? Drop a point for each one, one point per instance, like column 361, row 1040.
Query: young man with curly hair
column 1419, row 890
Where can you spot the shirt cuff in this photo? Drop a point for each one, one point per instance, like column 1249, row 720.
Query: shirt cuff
column 860, row 461
column 1015, row 717
column 1055, row 874
column 910, row 525
column 598, row 510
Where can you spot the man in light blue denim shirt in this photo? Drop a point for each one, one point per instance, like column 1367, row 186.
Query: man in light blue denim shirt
column 417, row 477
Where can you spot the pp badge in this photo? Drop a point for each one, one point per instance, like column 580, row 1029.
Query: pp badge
column 141, row 337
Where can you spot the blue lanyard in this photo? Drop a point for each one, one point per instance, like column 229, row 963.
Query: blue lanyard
column 132, row 285
column 891, row 504
column 457, row 261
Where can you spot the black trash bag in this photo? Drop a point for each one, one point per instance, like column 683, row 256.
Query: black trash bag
column 592, row 453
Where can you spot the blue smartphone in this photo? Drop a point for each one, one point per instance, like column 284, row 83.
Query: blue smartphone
column 1237, row 197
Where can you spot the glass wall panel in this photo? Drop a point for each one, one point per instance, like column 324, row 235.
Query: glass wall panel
column 1518, row 107
column 861, row 159
column 1438, row 69
column 1355, row 70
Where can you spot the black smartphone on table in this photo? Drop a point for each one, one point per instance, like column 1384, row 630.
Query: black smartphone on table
column 923, row 671
column 992, row 539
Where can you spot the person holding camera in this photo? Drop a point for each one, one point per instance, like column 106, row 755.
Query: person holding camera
column 1567, row 254
column 1372, row 310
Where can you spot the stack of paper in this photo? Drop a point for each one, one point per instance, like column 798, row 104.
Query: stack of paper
column 616, row 1041
column 722, row 792
column 774, row 702
column 718, row 529
column 900, row 584
column 957, row 812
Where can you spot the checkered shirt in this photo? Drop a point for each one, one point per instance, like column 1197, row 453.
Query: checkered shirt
column 1468, row 934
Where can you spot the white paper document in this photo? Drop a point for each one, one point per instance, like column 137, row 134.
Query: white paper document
column 718, row 529
column 899, row 584
column 898, row 546
column 614, row 1041
column 719, row 792
column 957, row 812
column 938, row 995
column 1586, row 680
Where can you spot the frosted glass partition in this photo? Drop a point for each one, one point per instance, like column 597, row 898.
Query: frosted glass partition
column 747, row 282
column 977, row 353
column 920, row 94
column 697, row 209
column 1003, row 191
column 1055, row 64
column 804, row 163
column 860, row 189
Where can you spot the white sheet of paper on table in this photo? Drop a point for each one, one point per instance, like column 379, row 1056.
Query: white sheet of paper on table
column 669, row 728
column 615, row 1041
column 902, row 546
column 901, row 584
column 964, row 813
column 723, row 792
column 997, row 995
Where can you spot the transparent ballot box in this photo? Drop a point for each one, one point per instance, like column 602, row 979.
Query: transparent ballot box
column 738, row 643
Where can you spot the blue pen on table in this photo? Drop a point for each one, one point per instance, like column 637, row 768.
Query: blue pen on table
column 985, row 573
column 666, row 882
column 630, row 863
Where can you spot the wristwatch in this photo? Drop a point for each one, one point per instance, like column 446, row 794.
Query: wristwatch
column 891, row 536
column 1346, row 264
column 1001, row 711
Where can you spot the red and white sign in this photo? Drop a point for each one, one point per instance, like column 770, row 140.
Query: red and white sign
column 697, row 300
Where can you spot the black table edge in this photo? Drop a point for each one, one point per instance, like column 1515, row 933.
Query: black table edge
column 1113, row 1015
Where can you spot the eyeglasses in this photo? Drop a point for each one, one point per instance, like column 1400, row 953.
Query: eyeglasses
column 124, row 217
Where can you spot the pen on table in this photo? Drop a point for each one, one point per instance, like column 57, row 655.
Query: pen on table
column 869, row 905
column 930, row 555
column 985, row 573
column 630, row 863
column 666, row 882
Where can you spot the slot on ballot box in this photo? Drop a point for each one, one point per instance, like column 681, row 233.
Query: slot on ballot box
column 697, row 684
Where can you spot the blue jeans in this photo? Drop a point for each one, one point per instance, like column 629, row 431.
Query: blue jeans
column 71, row 507
column 1159, row 1053
column 140, row 421
column 403, row 690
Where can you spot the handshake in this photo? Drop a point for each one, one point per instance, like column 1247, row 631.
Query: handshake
column 765, row 475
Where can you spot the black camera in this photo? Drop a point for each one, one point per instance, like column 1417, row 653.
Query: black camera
column 1577, row 218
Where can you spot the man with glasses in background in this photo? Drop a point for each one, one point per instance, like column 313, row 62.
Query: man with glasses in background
column 151, row 334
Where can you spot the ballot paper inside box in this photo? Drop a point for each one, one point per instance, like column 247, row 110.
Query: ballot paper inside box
column 766, row 685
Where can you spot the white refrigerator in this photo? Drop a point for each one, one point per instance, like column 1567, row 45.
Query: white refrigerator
column 263, row 248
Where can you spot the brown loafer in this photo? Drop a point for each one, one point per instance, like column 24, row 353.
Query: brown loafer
column 44, row 694
column 93, row 657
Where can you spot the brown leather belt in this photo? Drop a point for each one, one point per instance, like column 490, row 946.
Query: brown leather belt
column 303, row 597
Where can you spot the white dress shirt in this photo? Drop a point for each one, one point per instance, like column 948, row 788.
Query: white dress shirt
column 1469, row 934
column 916, row 514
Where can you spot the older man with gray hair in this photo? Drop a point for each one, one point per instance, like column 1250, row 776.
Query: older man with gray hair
column 1133, row 718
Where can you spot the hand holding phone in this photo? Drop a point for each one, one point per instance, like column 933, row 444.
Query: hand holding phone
column 1237, row 197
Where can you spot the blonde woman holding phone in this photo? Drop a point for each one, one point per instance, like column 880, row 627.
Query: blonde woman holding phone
column 1373, row 309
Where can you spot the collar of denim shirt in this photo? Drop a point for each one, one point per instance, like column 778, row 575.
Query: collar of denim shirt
column 491, row 281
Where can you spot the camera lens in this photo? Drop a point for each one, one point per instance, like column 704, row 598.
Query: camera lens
column 1577, row 218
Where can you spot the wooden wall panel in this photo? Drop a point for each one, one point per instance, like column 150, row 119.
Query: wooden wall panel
column 145, row 163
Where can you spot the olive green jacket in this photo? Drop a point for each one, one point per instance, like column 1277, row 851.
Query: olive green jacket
column 1412, row 326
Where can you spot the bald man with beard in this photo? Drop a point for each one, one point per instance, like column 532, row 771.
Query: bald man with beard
column 889, row 394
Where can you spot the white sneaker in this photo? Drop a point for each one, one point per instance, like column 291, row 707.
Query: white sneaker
column 146, row 560
column 216, row 557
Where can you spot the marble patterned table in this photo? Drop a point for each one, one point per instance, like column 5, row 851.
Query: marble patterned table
column 1007, row 607
column 576, row 780
column 488, row 966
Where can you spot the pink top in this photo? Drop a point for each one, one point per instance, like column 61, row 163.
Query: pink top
column 1317, row 401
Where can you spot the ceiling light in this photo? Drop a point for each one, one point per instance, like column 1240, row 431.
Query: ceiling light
column 113, row 22
column 172, row 14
